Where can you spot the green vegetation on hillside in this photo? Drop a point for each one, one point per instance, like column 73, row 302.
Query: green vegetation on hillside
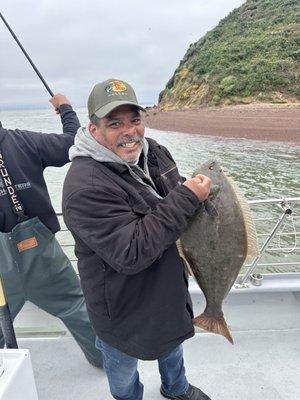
column 251, row 55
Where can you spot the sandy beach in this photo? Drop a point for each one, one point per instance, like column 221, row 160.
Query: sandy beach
column 258, row 122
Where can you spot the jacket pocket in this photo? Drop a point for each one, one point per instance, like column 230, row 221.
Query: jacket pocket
column 189, row 304
column 170, row 177
column 107, row 295
column 185, row 272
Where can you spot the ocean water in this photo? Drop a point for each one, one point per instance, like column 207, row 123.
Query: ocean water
column 261, row 169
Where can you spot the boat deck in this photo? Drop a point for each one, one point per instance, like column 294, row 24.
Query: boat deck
column 263, row 364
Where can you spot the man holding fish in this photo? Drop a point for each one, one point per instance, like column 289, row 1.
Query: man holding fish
column 126, row 205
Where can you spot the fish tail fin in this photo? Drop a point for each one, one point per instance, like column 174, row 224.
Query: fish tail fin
column 214, row 325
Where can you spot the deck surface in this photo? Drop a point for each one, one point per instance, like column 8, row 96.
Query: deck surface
column 262, row 365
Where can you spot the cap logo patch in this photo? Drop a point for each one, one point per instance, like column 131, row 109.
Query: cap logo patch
column 115, row 87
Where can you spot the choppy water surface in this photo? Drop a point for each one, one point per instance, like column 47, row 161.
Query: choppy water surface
column 261, row 169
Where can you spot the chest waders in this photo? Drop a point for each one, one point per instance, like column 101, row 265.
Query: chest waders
column 34, row 267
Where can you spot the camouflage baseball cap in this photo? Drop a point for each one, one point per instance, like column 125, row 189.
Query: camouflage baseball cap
column 110, row 94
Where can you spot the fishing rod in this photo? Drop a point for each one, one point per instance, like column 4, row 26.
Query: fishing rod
column 6, row 322
column 27, row 56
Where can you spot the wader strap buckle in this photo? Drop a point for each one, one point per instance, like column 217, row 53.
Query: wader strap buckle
column 21, row 216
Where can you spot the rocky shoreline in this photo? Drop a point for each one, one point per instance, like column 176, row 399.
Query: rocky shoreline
column 257, row 122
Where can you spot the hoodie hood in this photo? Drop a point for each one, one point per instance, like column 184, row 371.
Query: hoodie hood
column 86, row 146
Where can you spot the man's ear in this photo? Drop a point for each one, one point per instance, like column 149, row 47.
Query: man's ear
column 92, row 128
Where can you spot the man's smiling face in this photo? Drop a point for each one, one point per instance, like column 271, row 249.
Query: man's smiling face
column 121, row 131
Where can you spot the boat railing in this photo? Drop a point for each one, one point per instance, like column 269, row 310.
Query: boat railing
column 277, row 224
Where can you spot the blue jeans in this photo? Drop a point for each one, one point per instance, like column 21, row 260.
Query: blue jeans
column 123, row 376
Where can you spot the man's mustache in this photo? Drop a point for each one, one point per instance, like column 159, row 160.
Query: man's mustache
column 130, row 139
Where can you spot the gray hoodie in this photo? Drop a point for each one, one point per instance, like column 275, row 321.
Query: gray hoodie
column 86, row 146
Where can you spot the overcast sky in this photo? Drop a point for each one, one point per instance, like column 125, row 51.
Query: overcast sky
column 76, row 44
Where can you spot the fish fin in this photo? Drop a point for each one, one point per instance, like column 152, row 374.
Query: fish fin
column 182, row 255
column 252, row 242
column 181, row 252
column 214, row 325
column 179, row 248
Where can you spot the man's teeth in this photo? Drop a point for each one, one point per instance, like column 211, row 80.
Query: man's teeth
column 129, row 144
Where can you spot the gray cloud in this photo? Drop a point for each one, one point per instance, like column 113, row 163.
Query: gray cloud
column 76, row 44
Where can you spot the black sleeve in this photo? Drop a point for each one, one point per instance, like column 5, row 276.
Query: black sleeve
column 127, row 241
column 53, row 148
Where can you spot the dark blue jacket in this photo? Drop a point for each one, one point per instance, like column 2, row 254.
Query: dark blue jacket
column 26, row 155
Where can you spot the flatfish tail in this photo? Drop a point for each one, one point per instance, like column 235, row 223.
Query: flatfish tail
column 214, row 325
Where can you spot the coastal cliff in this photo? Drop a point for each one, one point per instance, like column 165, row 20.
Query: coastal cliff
column 251, row 56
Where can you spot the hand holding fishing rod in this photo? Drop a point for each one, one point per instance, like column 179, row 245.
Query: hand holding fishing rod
column 57, row 100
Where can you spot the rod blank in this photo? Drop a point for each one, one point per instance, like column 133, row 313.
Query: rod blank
column 27, row 56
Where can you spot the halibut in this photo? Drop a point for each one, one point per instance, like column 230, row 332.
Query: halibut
column 219, row 240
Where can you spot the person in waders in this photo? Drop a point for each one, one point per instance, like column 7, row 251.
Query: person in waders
column 126, row 205
column 33, row 266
